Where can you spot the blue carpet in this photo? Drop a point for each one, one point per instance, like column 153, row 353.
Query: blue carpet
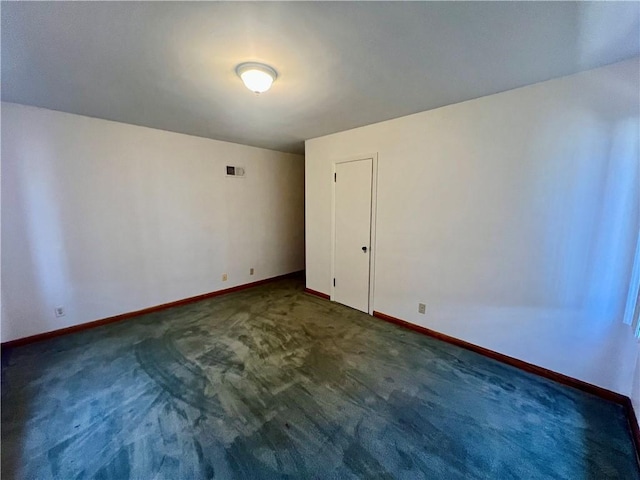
column 272, row 383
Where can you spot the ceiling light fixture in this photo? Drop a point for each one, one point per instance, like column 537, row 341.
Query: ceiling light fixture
column 257, row 77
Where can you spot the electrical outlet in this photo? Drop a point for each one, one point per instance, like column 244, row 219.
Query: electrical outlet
column 251, row 271
column 59, row 311
column 224, row 277
column 422, row 308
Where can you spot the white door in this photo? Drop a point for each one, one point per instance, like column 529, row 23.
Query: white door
column 352, row 247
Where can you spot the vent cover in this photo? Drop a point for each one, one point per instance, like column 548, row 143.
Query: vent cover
column 235, row 171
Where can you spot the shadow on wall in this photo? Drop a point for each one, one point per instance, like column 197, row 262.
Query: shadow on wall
column 611, row 165
column 617, row 229
column 591, row 215
column 37, row 261
column 618, row 225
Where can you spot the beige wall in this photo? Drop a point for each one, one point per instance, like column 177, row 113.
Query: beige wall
column 105, row 218
column 514, row 218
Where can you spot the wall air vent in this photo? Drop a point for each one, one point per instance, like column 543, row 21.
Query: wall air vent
column 235, row 171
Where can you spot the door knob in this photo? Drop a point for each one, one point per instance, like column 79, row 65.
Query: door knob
column 364, row 249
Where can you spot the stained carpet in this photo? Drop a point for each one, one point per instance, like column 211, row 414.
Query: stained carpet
column 272, row 383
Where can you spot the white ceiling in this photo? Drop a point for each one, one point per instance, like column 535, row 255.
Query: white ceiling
column 170, row 65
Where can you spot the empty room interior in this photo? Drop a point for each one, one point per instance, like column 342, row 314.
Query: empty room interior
column 318, row 240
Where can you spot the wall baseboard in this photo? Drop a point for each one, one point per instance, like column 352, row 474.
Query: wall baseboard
column 124, row 316
column 514, row 362
column 317, row 294
column 531, row 368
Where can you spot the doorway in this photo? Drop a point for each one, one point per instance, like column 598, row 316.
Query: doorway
column 353, row 226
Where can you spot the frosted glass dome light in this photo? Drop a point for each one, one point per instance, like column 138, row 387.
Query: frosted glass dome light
column 257, row 77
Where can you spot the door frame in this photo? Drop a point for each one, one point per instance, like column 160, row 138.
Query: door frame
column 372, row 240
